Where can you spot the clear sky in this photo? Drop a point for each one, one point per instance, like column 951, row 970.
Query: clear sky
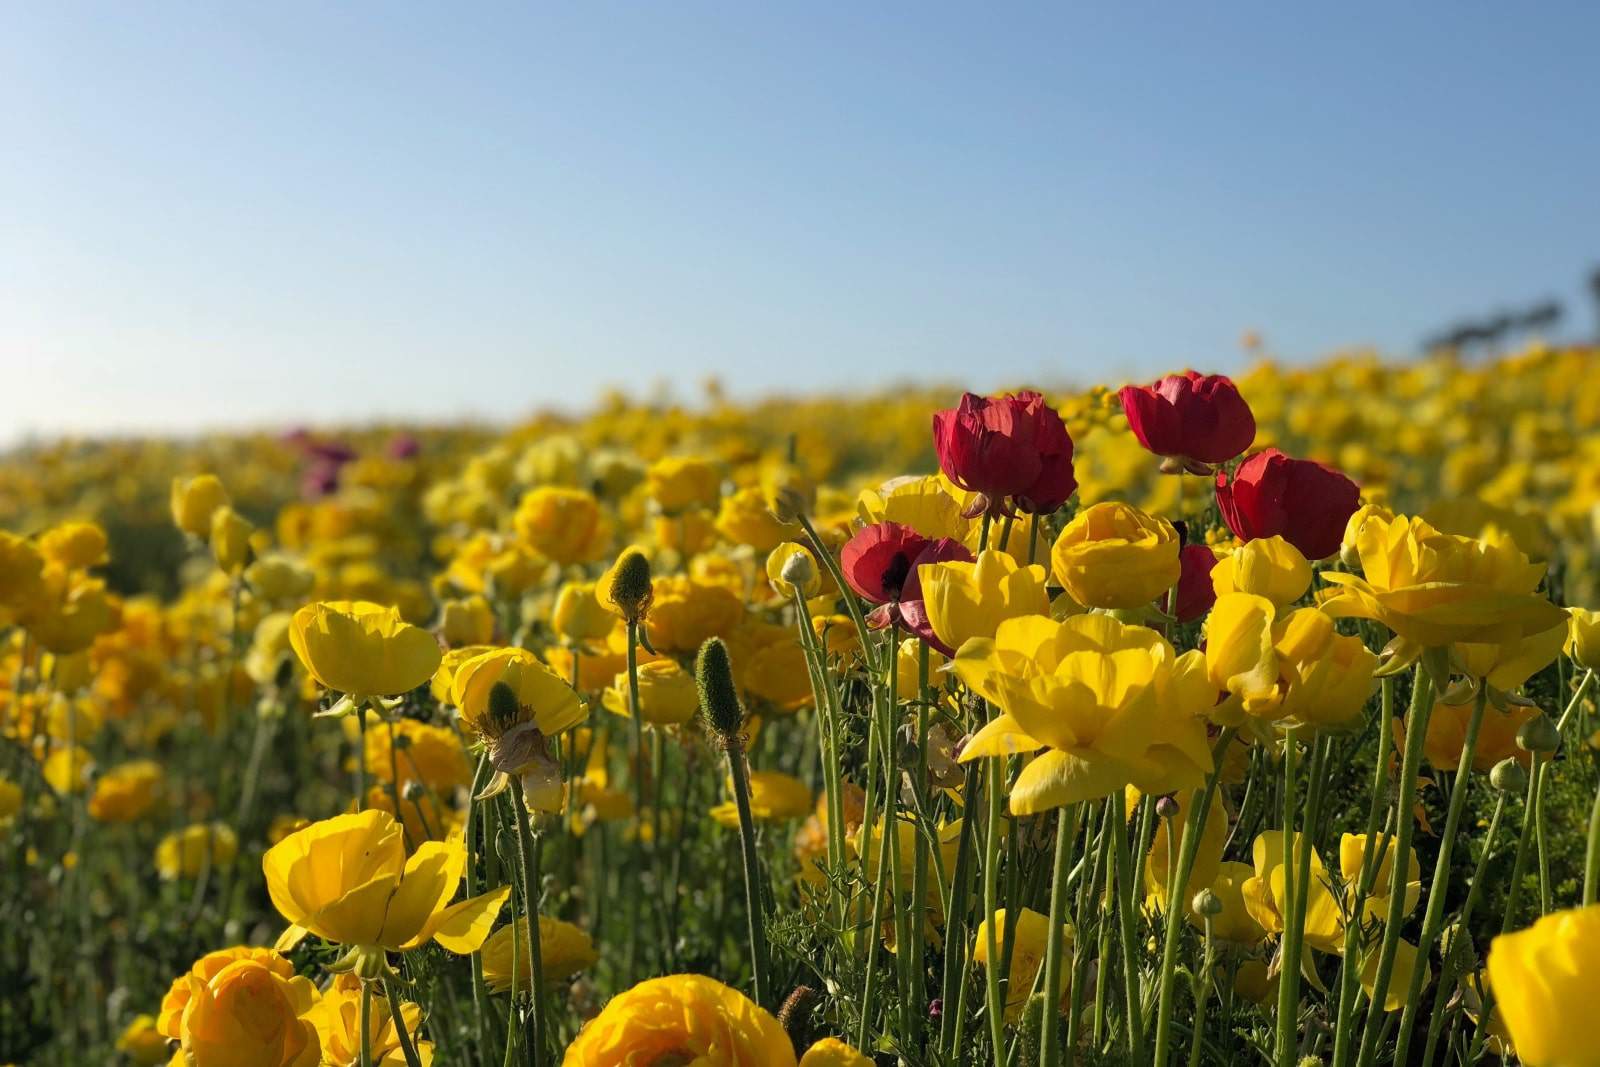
column 216, row 213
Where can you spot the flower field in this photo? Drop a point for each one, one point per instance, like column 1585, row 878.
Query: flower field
column 1199, row 721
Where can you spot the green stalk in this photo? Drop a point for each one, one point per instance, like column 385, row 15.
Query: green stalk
column 1178, row 886
column 366, row 1023
column 636, row 715
column 851, row 603
column 1050, row 1031
column 528, row 850
column 752, row 868
column 889, row 837
column 1293, row 906
column 1201, row 997
column 1405, row 822
column 994, row 1005
column 955, row 919
column 406, row 1047
column 1133, row 1002
column 1433, row 921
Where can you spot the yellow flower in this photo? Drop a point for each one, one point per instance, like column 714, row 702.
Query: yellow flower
column 1116, row 556
column 683, row 1018
column 685, row 613
column 70, row 612
column 929, row 505
column 21, row 567
column 563, row 525
column 249, row 1016
column 10, row 802
column 667, row 693
column 774, row 796
column 230, row 539
column 1264, row 895
column 347, row 879
column 1296, row 668
column 1405, row 965
column 1349, row 551
column 361, row 648
column 421, row 752
column 1234, row 923
column 1437, row 589
column 127, row 791
column 337, row 1017
column 193, row 502
column 831, row 1052
column 745, row 518
column 1543, row 979
column 184, row 852
column 868, row 839
column 966, row 600
column 1583, row 637
column 142, row 1043
column 279, row 578
column 1268, row 566
column 1033, row 939
column 170, row 1022
column 790, row 560
column 67, row 768
column 1352, row 853
column 678, row 483
column 578, row 617
column 1506, row 665
column 467, row 621
column 551, row 704
column 74, row 544
column 1113, row 704
column 1497, row 736
column 564, row 950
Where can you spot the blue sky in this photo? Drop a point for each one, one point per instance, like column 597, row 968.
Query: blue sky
column 217, row 214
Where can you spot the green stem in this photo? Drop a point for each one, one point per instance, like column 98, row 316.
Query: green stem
column 851, row 603
column 755, row 921
column 1293, row 905
column 1433, row 921
column 1416, row 733
column 1133, row 1003
column 1201, row 997
column 366, row 1024
column 528, row 850
column 406, row 1047
column 994, row 1005
column 1050, row 1030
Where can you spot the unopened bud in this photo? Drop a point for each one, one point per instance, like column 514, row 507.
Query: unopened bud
column 1539, row 734
column 414, row 791
column 1508, row 776
column 631, row 590
column 719, row 697
column 1167, row 807
column 799, row 570
column 788, row 504
column 1206, row 903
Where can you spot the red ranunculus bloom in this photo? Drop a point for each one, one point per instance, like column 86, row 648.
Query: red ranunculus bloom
column 880, row 562
column 1007, row 446
column 1195, row 593
column 1189, row 416
column 1308, row 504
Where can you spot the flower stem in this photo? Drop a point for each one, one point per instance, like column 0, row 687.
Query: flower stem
column 366, row 1024
column 1294, row 908
column 994, row 1005
column 407, row 1049
column 1050, row 1031
column 755, row 921
column 1133, row 1006
column 528, row 850
column 1447, row 968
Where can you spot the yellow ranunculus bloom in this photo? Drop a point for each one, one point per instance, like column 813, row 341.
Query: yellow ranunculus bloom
column 249, row 1016
column 70, row 611
column 193, row 502
column 745, row 518
column 1583, row 637
column 667, row 693
column 1113, row 555
column 337, row 1017
column 774, row 796
column 66, row 768
column 685, row 613
column 74, row 544
column 1296, row 668
column 142, row 1043
column 230, row 539
column 361, row 648
column 831, row 1052
column 1032, row 931
column 1497, row 735
column 276, row 577
column 1112, row 703
column 677, row 483
column 347, row 879
column 170, row 1022
column 929, row 505
column 1264, row 895
column 551, row 704
column 467, row 621
column 1405, row 965
column 1268, row 566
column 1543, row 979
column 681, row 1018
column 563, row 525
column 966, row 600
column 1352, row 853
column 127, row 791
column 1349, row 552
column 421, row 752
column 1506, row 665
column 1437, row 589
column 564, row 950
column 578, row 617
column 183, row 853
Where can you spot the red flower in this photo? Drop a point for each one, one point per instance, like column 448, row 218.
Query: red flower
column 1195, row 594
column 1189, row 416
column 1308, row 504
column 1007, row 446
column 880, row 563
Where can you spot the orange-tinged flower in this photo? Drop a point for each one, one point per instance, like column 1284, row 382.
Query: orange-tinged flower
column 682, row 1018
column 249, row 1016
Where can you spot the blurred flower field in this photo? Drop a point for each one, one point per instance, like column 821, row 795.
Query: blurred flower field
column 1197, row 721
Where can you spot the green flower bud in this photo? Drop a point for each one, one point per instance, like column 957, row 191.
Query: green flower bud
column 1508, row 776
column 719, row 697
column 1206, row 903
column 1539, row 734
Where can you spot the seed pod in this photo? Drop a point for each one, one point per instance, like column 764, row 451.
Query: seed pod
column 719, row 697
column 631, row 590
column 504, row 711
